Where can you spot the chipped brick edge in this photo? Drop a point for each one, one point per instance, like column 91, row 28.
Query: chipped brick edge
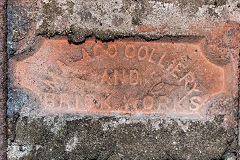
column 3, row 85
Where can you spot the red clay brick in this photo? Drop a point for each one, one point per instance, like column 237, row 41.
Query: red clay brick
column 126, row 76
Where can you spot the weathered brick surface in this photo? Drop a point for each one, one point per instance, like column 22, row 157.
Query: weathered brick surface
column 167, row 78
column 85, row 82
column 3, row 87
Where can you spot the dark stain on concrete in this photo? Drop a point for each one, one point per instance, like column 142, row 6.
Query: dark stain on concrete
column 125, row 141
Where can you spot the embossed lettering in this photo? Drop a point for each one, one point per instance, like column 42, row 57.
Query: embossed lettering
column 123, row 76
column 91, row 102
column 196, row 102
column 151, row 57
column 142, row 50
column 134, row 77
column 161, row 61
column 112, row 50
column 106, row 78
column 105, row 102
column 130, row 103
column 130, row 51
column 97, row 50
column 117, row 77
column 188, row 78
column 85, row 54
column 148, row 103
column 171, row 65
column 178, row 68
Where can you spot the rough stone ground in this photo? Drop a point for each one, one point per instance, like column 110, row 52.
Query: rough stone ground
column 33, row 135
column 3, row 79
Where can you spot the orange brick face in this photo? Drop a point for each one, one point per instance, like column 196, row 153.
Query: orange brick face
column 124, row 76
